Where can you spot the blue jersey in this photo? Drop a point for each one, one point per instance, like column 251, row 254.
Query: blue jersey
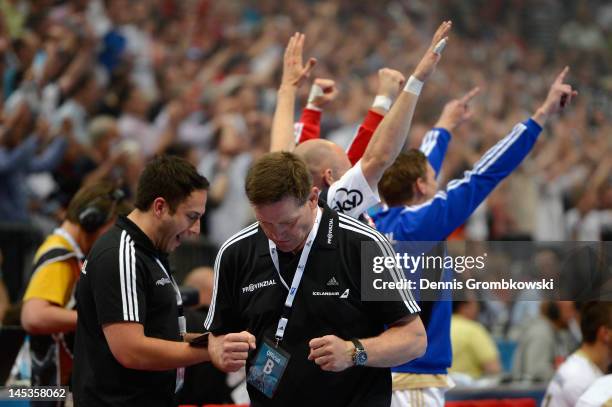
column 437, row 218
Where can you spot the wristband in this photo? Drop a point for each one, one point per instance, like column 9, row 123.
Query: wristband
column 382, row 102
column 315, row 92
column 413, row 85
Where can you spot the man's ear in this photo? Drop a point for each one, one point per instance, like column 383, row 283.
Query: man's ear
column 328, row 177
column 420, row 186
column 160, row 206
column 313, row 198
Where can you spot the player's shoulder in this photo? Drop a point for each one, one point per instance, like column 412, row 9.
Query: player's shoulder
column 353, row 229
column 241, row 242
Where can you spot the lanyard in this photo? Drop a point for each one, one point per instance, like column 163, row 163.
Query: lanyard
column 61, row 232
column 297, row 278
column 179, row 300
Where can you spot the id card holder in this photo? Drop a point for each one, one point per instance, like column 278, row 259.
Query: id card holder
column 267, row 370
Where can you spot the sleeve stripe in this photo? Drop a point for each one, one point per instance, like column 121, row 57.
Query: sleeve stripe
column 134, row 292
column 387, row 249
column 516, row 133
column 429, row 142
column 416, row 208
column 246, row 232
column 491, row 156
column 122, row 274
column 406, row 297
column 128, row 277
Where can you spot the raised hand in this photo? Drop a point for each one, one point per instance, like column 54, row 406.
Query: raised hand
column 323, row 91
column 294, row 70
column 457, row 111
column 390, row 82
column 428, row 63
column 559, row 96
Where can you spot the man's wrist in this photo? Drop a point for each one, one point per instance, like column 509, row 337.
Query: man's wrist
column 287, row 88
column 414, row 85
column 540, row 117
column 383, row 102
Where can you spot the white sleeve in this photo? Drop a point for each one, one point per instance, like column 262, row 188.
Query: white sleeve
column 351, row 194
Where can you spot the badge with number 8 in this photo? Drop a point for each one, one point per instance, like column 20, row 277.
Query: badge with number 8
column 266, row 371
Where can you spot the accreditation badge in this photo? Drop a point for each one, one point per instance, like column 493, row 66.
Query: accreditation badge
column 267, row 370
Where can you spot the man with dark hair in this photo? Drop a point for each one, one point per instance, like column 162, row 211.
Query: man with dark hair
column 323, row 326
column 589, row 362
column 48, row 313
column 418, row 212
column 129, row 347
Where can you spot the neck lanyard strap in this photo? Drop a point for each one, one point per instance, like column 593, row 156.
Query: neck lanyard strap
column 77, row 249
column 297, row 277
column 179, row 300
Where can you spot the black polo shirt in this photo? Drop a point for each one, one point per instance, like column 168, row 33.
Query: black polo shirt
column 248, row 295
column 121, row 281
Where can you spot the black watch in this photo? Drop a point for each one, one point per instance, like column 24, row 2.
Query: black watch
column 360, row 356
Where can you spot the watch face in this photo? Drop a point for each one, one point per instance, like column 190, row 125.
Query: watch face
column 361, row 358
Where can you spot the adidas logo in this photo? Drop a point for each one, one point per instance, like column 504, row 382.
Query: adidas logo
column 332, row 281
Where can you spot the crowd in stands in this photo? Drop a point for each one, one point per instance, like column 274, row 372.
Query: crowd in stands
column 91, row 90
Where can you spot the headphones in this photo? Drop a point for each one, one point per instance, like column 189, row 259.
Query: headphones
column 92, row 218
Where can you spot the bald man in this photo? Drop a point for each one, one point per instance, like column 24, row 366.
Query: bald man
column 350, row 190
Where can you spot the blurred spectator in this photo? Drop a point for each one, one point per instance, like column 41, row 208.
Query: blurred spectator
column 24, row 150
column 48, row 313
column 474, row 351
column 599, row 394
column 589, row 362
column 544, row 343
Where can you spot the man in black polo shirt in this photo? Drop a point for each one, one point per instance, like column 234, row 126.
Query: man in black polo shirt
column 129, row 348
column 287, row 288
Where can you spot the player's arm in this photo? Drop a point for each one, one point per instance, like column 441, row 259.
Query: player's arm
column 134, row 350
column 42, row 317
column 294, row 72
column 48, row 290
column 403, row 341
column 228, row 343
column 435, row 142
column 390, row 135
column 322, row 92
column 121, row 312
column 389, row 85
column 449, row 210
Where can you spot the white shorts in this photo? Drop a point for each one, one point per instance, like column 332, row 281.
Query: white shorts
column 426, row 397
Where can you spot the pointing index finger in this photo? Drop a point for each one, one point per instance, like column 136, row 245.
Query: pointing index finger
column 561, row 76
column 470, row 95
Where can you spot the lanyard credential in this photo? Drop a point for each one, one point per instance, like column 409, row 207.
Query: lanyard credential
column 297, row 278
column 179, row 300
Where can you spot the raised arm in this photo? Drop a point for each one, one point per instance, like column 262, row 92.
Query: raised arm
column 322, row 92
column 435, row 142
column 294, row 73
column 449, row 210
column 390, row 83
column 390, row 135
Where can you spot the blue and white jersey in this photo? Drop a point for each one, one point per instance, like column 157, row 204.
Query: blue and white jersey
column 437, row 218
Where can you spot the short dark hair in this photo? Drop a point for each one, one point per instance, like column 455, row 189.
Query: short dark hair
column 99, row 195
column 276, row 176
column 594, row 315
column 396, row 184
column 169, row 177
